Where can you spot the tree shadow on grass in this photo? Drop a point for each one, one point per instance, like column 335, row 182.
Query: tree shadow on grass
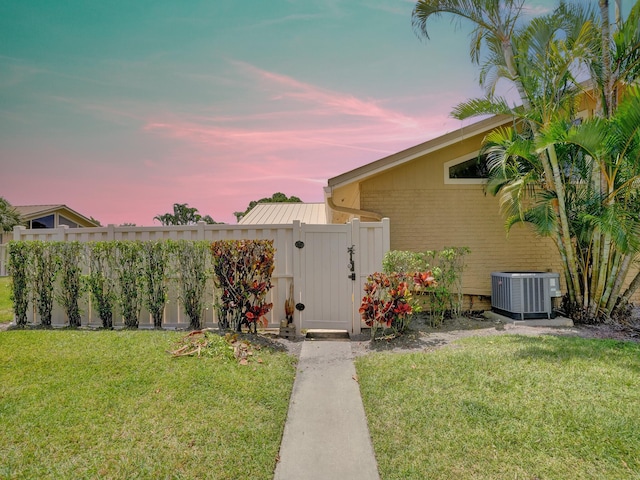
column 559, row 348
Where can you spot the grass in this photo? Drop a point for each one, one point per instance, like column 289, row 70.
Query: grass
column 114, row 404
column 508, row 407
column 6, row 305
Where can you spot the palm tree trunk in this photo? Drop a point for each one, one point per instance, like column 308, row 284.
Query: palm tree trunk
column 612, row 288
column 565, row 232
column 631, row 289
column 606, row 59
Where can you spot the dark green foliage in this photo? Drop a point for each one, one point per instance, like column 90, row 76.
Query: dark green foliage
column 277, row 197
column 101, row 279
column 154, row 285
column 9, row 216
column 193, row 264
column 243, row 271
column 45, row 269
column 129, row 279
column 19, row 268
column 183, row 214
column 70, row 258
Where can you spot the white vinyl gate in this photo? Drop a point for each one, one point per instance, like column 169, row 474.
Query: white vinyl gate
column 328, row 265
column 325, row 277
column 331, row 265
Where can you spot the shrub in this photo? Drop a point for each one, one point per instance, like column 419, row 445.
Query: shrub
column 129, row 278
column 101, row 279
column 70, row 257
column 193, row 265
column 19, row 267
column 402, row 261
column 243, row 270
column 154, row 267
column 445, row 295
column 389, row 303
column 45, row 269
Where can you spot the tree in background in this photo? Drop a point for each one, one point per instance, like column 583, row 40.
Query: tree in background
column 9, row 216
column 277, row 197
column 572, row 180
column 183, row 214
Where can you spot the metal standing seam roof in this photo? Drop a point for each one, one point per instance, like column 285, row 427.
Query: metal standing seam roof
column 285, row 213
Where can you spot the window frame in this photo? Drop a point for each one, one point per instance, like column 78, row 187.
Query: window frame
column 458, row 161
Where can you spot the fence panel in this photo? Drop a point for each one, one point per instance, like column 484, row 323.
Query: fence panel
column 371, row 241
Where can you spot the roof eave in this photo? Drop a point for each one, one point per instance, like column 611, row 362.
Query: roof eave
column 396, row 159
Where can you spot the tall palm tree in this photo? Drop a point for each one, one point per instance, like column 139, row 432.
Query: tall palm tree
column 543, row 178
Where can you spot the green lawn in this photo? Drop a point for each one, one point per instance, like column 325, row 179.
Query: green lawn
column 6, row 306
column 115, row 404
column 508, row 407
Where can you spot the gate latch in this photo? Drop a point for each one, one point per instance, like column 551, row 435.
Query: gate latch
column 352, row 265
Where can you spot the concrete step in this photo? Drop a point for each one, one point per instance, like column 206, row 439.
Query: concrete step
column 326, row 334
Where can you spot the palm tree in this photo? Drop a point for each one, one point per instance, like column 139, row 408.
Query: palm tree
column 183, row 214
column 542, row 177
column 9, row 216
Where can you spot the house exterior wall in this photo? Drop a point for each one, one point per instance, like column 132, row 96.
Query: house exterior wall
column 427, row 214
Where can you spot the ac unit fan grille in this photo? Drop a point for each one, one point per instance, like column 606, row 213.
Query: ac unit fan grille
column 523, row 295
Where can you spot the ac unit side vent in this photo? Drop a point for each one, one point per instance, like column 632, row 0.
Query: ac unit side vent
column 522, row 295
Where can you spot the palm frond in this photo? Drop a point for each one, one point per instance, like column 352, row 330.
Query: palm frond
column 482, row 106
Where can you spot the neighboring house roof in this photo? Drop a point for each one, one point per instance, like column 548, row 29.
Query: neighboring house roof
column 416, row 151
column 29, row 212
column 285, row 213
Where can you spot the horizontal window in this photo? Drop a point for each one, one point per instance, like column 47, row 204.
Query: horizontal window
column 468, row 169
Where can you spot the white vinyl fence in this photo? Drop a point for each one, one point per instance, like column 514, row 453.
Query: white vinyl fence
column 4, row 260
column 328, row 265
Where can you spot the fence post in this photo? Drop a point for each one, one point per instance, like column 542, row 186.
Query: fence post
column 17, row 232
column 357, row 267
column 111, row 232
column 61, row 233
column 298, row 284
column 200, row 230
column 386, row 235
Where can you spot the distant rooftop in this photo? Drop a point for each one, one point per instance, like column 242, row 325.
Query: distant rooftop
column 285, row 213
column 27, row 210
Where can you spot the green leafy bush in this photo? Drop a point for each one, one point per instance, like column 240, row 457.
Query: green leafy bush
column 129, row 279
column 70, row 264
column 444, row 296
column 19, row 268
column 155, row 259
column 403, row 261
column 101, row 279
column 243, row 270
column 193, row 265
column 45, row 269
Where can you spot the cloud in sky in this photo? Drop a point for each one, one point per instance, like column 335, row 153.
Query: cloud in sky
column 145, row 111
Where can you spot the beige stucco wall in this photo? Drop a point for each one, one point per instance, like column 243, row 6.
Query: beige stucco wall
column 427, row 214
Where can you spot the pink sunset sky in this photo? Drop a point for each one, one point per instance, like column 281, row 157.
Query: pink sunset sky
column 119, row 109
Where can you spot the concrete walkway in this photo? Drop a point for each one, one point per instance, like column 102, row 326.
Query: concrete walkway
column 326, row 434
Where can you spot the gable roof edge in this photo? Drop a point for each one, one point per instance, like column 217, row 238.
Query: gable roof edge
column 396, row 159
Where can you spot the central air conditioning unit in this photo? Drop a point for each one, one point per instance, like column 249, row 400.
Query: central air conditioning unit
column 524, row 295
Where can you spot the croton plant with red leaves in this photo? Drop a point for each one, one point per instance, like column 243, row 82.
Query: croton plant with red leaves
column 389, row 301
column 243, row 270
